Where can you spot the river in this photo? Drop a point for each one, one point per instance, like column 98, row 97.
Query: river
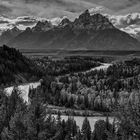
column 104, row 66
column 24, row 88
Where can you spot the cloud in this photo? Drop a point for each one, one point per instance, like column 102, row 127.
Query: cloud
column 43, row 8
column 125, row 20
column 56, row 21
column 25, row 21
column 3, row 20
column 132, row 30
column 129, row 23
column 69, row 8
column 4, row 9
column 21, row 22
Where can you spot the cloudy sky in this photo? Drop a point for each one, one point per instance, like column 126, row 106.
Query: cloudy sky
column 54, row 8
column 23, row 13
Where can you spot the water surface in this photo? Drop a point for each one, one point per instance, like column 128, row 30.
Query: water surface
column 92, row 120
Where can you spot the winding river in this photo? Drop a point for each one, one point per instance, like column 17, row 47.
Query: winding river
column 104, row 66
column 24, row 89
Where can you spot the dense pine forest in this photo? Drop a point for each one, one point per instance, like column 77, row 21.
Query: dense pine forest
column 15, row 68
column 19, row 121
column 69, row 83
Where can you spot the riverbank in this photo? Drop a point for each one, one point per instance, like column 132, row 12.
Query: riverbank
column 23, row 89
column 103, row 66
column 75, row 112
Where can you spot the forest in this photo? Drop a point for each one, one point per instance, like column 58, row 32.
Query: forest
column 111, row 92
column 66, row 65
column 97, row 90
column 16, row 68
column 69, row 82
column 19, row 121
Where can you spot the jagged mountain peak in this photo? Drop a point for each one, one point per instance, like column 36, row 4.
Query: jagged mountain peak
column 42, row 26
column 9, row 34
column 85, row 15
column 28, row 29
column 95, row 22
column 65, row 22
column 15, row 28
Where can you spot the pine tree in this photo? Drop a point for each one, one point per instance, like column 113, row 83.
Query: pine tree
column 74, row 128
column 3, row 111
column 17, row 127
column 108, row 125
column 86, row 129
column 100, row 130
column 35, row 120
column 86, row 101
column 58, row 119
column 78, row 136
column 50, row 127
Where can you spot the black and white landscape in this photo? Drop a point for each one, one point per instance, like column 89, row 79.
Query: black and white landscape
column 69, row 70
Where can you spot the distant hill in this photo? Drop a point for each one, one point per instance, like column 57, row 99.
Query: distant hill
column 88, row 32
column 15, row 68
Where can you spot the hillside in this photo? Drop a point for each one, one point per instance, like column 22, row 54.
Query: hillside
column 94, row 32
column 15, row 68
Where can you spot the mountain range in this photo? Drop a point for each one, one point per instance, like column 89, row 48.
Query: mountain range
column 87, row 32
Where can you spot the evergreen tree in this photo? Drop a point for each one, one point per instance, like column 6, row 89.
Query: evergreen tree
column 35, row 120
column 86, row 129
column 78, row 136
column 100, row 132
column 17, row 127
column 50, row 127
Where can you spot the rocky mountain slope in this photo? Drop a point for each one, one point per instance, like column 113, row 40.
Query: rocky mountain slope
column 8, row 35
